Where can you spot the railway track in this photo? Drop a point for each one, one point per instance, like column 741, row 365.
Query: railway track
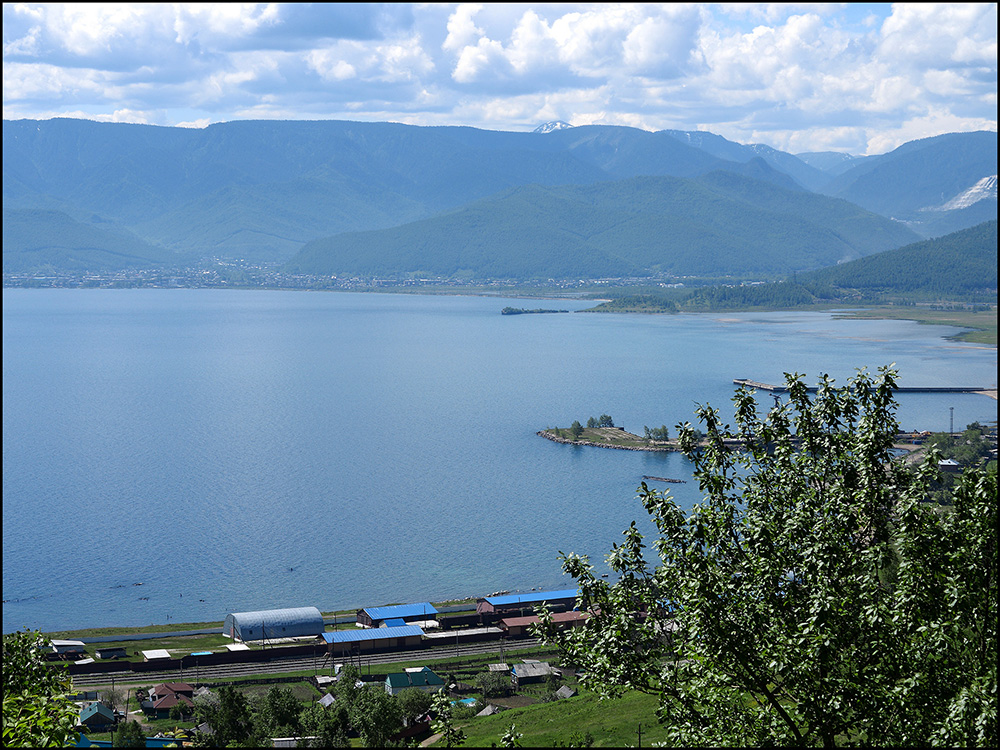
column 319, row 664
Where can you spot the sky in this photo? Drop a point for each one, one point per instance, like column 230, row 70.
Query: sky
column 854, row 77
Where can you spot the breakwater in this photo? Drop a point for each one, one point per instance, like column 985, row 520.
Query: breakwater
column 756, row 385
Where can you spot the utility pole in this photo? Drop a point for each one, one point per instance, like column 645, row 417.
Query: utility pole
column 951, row 423
column 640, row 736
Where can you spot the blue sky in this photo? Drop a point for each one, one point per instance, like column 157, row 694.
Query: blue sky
column 855, row 77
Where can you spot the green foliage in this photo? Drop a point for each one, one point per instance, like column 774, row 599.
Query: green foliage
column 129, row 734
column 375, row 715
column 493, row 684
column 277, row 713
column 591, row 423
column 576, row 428
column 511, row 738
column 37, row 711
column 414, row 702
column 657, row 433
column 329, row 726
column 230, row 718
column 451, row 736
column 812, row 596
column 605, row 420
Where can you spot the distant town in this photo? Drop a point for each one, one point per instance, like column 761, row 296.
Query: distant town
column 236, row 275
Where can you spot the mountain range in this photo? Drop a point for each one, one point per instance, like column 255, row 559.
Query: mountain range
column 338, row 197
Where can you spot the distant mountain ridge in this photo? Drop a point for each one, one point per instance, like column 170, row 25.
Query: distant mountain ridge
column 262, row 190
column 915, row 182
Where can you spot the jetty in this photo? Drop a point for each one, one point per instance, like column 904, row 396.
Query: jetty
column 665, row 479
column 900, row 389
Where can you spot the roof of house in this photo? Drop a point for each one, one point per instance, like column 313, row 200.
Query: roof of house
column 421, row 678
column 531, row 597
column 534, row 669
column 371, row 634
column 170, row 700
column 571, row 616
column 156, row 653
column 400, row 610
column 395, row 622
column 565, row 692
column 171, row 687
column 96, row 709
column 327, row 700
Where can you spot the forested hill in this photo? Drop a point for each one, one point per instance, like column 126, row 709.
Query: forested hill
column 722, row 222
column 959, row 264
column 958, row 267
column 36, row 239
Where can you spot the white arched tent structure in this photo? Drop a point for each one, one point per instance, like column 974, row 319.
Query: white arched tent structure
column 271, row 624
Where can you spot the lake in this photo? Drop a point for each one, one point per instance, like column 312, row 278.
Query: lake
column 243, row 450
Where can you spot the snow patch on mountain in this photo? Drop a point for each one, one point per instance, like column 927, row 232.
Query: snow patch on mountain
column 548, row 127
column 985, row 188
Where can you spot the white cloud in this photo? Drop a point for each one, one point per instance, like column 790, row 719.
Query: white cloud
column 462, row 29
column 834, row 75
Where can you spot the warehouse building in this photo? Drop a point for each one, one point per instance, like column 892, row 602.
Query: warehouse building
column 374, row 617
column 520, row 627
column 272, row 624
column 372, row 639
column 510, row 604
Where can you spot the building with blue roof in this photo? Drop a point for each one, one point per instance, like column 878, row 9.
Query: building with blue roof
column 372, row 639
column 373, row 617
column 557, row 601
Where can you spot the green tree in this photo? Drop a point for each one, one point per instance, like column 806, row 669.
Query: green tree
column 329, row 726
column 493, row 684
column 443, row 725
column 37, row 711
column 591, row 422
column 414, row 703
column 576, row 428
column 605, row 420
column 812, row 597
column 277, row 714
column 376, row 716
column 129, row 734
column 230, row 718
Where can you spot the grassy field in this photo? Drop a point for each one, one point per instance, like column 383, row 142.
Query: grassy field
column 613, row 723
column 171, row 627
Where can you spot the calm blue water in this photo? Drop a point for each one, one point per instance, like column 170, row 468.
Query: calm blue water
column 247, row 450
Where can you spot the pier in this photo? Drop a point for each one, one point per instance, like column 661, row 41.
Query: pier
column 812, row 389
